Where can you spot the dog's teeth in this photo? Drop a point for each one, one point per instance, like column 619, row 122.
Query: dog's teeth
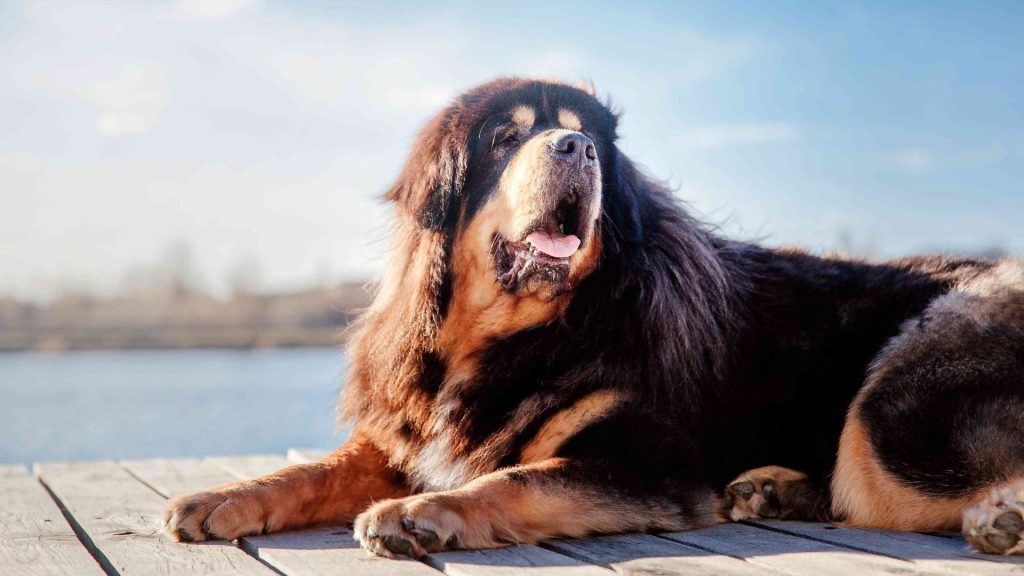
column 561, row 228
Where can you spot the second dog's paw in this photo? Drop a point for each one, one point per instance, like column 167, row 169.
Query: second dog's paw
column 219, row 514
column 996, row 525
column 771, row 492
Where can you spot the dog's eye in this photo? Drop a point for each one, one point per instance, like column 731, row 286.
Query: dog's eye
column 507, row 136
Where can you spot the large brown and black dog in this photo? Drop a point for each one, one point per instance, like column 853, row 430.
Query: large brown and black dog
column 559, row 349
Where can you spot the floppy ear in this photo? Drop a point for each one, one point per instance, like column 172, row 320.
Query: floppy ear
column 431, row 181
column 426, row 196
column 394, row 344
column 622, row 198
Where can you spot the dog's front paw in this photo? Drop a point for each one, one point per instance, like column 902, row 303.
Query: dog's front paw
column 771, row 492
column 219, row 514
column 411, row 526
column 996, row 525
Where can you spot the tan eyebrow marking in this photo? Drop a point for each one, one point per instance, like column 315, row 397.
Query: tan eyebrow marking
column 524, row 116
column 569, row 120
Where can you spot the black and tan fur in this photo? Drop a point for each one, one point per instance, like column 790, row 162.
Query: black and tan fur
column 622, row 389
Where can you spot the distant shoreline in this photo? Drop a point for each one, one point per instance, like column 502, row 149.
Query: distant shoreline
column 173, row 340
column 316, row 317
column 212, row 349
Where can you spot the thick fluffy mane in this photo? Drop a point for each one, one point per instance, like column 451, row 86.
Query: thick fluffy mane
column 663, row 283
column 391, row 341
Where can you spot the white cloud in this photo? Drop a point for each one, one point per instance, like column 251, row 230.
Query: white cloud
column 211, row 10
column 915, row 161
column 130, row 92
column 725, row 136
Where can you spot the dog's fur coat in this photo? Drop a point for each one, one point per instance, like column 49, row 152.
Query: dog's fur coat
column 500, row 395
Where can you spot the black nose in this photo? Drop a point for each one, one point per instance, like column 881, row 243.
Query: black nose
column 574, row 146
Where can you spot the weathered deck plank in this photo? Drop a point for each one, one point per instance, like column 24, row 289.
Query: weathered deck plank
column 792, row 554
column 117, row 519
column 645, row 554
column 35, row 539
column 934, row 552
column 512, row 561
column 13, row 470
column 245, row 467
column 176, row 476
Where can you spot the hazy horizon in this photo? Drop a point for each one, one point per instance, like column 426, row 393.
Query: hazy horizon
column 259, row 134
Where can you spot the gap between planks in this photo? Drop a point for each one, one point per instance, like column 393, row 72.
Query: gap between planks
column 35, row 537
column 117, row 519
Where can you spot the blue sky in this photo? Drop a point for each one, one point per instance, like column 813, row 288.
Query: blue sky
column 261, row 131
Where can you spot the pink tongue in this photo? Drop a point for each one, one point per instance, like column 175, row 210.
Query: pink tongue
column 554, row 245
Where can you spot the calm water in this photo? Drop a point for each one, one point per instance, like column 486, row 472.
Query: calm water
column 89, row 405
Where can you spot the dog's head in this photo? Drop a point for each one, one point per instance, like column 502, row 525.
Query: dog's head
column 510, row 190
column 513, row 173
column 532, row 196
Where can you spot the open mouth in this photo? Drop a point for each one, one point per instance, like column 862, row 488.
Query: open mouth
column 542, row 253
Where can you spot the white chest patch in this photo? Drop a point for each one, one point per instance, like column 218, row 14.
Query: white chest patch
column 435, row 469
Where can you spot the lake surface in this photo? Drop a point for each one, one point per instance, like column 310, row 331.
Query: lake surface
column 139, row 404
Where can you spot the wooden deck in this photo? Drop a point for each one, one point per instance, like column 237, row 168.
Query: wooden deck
column 101, row 517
